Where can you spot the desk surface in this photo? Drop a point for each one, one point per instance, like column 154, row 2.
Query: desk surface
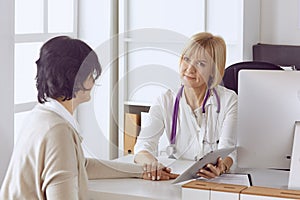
column 139, row 188
column 268, row 178
column 133, row 189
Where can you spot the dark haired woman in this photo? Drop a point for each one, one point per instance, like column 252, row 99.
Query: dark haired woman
column 48, row 161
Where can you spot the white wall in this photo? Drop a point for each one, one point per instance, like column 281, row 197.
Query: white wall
column 6, row 84
column 279, row 25
column 280, row 22
column 93, row 28
column 251, row 28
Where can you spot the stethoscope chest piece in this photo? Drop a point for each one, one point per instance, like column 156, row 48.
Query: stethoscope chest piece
column 171, row 150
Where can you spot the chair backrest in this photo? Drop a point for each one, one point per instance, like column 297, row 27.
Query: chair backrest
column 230, row 78
column 282, row 55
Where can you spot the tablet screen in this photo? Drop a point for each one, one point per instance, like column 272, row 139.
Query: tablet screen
column 211, row 157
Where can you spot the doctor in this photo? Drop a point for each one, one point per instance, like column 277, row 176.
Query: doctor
column 198, row 118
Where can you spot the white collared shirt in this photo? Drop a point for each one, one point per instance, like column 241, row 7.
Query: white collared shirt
column 220, row 127
column 59, row 109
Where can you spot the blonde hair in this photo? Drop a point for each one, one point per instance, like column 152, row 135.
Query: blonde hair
column 215, row 47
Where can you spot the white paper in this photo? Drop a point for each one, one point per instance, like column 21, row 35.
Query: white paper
column 236, row 179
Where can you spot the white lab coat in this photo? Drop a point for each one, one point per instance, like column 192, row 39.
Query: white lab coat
column 190, row 136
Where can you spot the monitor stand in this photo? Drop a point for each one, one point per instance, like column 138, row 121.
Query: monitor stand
column 294, row 178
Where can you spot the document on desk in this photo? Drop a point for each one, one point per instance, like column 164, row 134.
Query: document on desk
column 236, row 179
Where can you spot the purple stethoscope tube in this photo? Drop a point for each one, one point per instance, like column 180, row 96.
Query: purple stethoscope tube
column 176, row 107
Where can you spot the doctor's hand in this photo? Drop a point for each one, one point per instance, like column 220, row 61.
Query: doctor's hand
column 212, row 171
column 155, row 171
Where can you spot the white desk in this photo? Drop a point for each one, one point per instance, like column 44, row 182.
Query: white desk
column 138, row 188
column 134, row 189
column 268, row 178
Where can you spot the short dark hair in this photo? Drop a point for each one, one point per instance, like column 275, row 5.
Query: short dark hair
column 63, row 66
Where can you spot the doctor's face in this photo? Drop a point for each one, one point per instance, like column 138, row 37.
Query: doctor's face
column 195, row 69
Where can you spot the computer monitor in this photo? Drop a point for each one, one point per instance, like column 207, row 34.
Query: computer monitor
column 268, row 106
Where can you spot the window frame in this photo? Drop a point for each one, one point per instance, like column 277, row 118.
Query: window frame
column 42, row 37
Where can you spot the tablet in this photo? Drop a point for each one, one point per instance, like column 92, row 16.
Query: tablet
column 211, row 157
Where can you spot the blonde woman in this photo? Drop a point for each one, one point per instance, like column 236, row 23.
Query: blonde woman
column 205, row 116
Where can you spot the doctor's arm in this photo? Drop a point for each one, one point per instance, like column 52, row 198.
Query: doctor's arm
column 144, row 157
column 146, row 146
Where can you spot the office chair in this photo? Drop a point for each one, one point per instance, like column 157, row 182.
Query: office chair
column 230, row 78
column 283, row 55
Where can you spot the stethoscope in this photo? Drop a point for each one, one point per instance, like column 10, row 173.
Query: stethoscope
column 171, row 149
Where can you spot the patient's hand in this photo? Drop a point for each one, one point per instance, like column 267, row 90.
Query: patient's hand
column 157, row 171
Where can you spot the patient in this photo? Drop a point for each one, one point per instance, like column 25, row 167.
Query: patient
column 48, row 161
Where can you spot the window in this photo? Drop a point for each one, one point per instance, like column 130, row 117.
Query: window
column 36, row 21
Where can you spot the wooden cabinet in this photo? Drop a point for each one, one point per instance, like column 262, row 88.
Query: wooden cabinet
column 131, row 131
column 132, row 125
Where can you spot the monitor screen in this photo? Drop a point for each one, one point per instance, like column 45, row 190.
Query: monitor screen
column 268, row 106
